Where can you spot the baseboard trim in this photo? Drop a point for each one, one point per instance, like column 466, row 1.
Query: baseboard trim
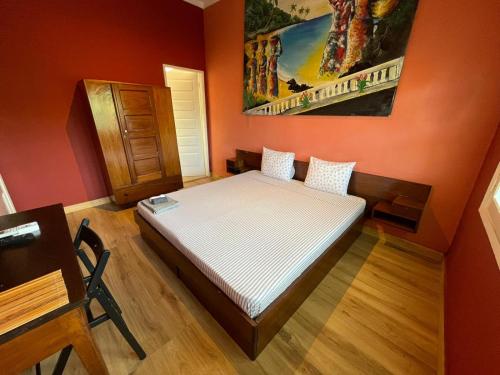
column 412, row 246
column 88, row 204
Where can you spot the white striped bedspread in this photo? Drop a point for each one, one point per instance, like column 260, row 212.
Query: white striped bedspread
column 253, row 235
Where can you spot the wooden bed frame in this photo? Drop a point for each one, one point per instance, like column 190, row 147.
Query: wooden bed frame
column 252, row 335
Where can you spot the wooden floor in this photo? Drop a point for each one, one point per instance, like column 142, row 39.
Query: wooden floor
column 196, row 180
column 376, row 312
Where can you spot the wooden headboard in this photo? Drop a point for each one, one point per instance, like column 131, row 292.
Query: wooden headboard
column 371, row 187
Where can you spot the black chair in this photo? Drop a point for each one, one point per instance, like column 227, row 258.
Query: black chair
column 96, row 289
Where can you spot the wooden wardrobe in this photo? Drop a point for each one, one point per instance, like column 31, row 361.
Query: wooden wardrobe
column 136, row 130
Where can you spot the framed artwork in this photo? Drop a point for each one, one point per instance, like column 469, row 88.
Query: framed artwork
column 324, row 57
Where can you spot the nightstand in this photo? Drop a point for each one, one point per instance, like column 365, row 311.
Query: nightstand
column 232, row 166
column 403, row 213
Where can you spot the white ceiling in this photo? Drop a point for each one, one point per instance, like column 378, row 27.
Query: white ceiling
column 201, row 3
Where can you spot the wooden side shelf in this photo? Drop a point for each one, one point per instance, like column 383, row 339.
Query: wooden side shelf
column 234, row 167
column 231, row 166
column 402, row 213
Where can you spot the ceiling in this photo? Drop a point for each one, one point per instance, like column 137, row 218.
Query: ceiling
column 201, row 3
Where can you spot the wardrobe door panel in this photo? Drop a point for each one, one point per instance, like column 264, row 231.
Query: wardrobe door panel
column 143, row 148
column 147, row 169
column 135, row 99
column 139, row 125
column 165, row 115
column 101, row 102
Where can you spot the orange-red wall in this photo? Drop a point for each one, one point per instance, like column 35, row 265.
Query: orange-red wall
column 47, row 154
column 444, row 117
column 472, row 294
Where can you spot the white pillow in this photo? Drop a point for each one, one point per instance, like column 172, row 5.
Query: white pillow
column 277, row 164
column 329, row 176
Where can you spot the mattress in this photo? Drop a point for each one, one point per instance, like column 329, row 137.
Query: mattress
column 253, row 235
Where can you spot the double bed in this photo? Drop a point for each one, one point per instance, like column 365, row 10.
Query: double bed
column 253, row 235
column 252, row 248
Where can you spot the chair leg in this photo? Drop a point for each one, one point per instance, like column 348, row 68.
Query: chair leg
column 120, row 324
column 88, row 312
column 38, row 369
column 62, row 360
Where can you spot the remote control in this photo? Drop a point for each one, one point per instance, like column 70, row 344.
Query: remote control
column 17, row 240
column 30, row 228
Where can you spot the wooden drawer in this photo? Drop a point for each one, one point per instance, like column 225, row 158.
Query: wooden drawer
column 135, row 193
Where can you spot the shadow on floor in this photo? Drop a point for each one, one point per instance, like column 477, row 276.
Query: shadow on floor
column 298, row 335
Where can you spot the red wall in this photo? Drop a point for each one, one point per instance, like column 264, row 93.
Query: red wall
column 472, row 295
column 47, row 153
column 444, row 117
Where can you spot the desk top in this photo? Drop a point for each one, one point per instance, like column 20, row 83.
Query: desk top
column 53, row 250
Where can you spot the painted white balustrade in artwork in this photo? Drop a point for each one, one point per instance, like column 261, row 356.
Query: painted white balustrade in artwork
column 376, row 76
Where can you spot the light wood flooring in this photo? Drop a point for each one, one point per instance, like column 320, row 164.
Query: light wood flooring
column 376, row 312
column 197, row 180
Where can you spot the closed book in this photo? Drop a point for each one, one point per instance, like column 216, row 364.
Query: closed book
column 160, row 207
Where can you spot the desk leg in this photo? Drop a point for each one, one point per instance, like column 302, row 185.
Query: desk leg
column 85, row 346
column 31, row 347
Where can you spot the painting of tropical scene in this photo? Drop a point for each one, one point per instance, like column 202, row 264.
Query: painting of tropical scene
column 324, row 57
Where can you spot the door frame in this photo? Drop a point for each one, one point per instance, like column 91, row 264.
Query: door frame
column 203, row 108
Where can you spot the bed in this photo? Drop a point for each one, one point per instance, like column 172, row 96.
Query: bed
column 239, row 232
column 252, row 248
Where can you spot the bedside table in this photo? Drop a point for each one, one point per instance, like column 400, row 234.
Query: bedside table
column 403, row 212
column 233, row 167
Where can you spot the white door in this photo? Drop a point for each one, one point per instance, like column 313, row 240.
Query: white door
column 6, row 205
column 188, row 99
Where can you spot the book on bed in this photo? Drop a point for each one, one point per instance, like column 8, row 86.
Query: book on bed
column 161, row 207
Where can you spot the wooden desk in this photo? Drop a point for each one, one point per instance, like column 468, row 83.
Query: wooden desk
column 23, row 347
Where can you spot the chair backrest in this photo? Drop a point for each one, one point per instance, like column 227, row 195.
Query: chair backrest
column 89, row 237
